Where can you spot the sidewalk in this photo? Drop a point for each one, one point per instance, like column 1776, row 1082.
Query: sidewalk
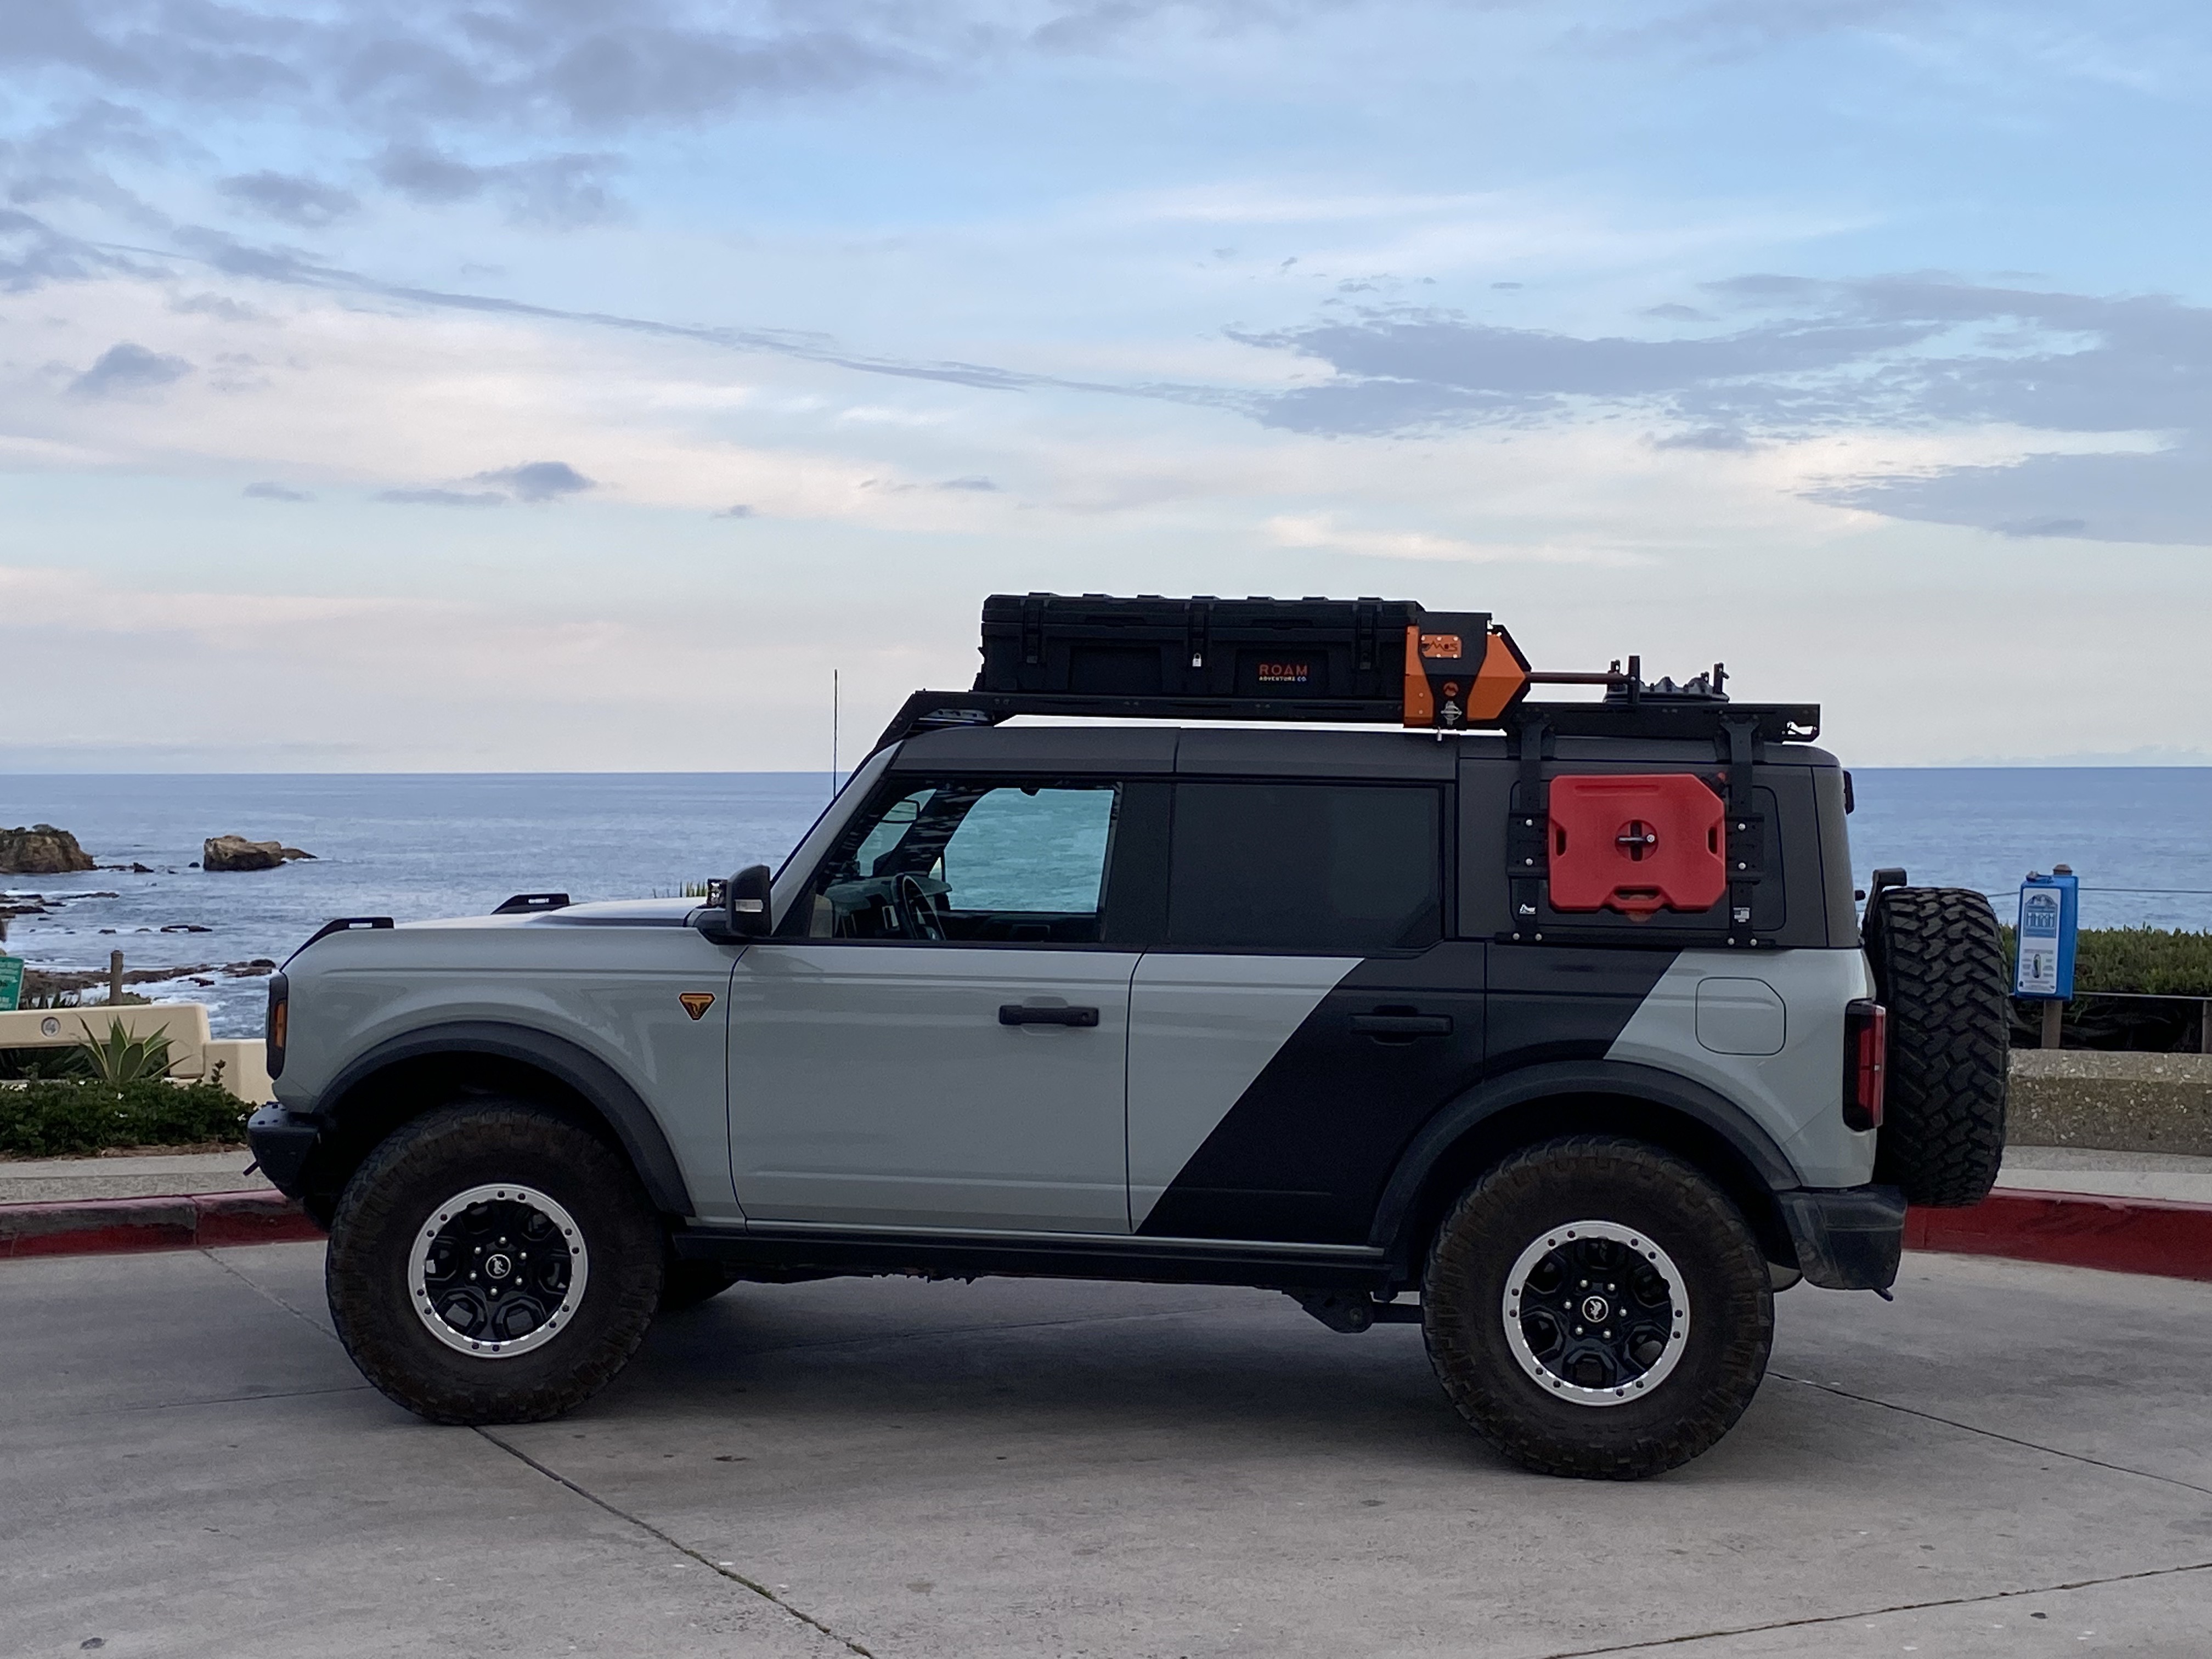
column 2163, row 1176
column 131, row 1175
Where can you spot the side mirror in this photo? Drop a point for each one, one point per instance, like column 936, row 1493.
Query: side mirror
column 739, row 908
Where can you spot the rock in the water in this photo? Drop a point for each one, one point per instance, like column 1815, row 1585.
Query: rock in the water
column 236, row 853
column 40, row 850
column 291, row 853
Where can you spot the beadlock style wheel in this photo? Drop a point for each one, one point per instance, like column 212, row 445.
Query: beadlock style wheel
column 1596, row 1306
column 497, row 1270
column 1596, row 1313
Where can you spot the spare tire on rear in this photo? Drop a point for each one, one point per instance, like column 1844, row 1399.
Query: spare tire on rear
column 1939, row 965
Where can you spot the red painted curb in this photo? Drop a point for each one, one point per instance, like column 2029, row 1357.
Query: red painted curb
column 102, row 1226
column 2167, row 1237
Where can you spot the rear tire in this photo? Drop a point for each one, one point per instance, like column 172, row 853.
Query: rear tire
column 1677, row 1291
column 493, row 1263
column 1939, row 966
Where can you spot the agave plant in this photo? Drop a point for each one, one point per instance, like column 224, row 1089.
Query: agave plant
column 119, row 1057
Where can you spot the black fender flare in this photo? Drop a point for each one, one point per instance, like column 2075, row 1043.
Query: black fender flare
column 598, row 1083
column 1620, row 1079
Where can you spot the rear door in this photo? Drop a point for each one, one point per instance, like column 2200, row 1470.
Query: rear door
column 940, row 1038
column 1306, row 1015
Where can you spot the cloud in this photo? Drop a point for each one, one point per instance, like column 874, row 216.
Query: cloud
column 443, row 497
column 1806, row 357
column 217, row 304
column 978, row 484
column 543, row 63
column 539, row 481
column 267, row 492
column 33, row 253
column 1705, row 437
column 294, row 199
column 1321, row 530
column 741, row 511
column 555, row 190
column 127, row 369
column 2162, row 497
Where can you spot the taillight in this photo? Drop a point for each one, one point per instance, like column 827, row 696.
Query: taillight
column 280, row 1007
column 1866, row 1063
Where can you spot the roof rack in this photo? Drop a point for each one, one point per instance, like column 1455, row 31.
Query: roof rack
column 1368, row 662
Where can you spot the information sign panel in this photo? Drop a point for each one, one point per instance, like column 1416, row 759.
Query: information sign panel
column 2048, row 920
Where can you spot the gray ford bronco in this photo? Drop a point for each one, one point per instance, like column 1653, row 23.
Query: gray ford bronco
column 1552, row 1026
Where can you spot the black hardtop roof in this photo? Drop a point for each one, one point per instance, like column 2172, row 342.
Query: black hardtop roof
column 1285, row 751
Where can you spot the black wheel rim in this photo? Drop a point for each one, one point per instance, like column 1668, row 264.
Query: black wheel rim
column 1596, row 1313
column 497, row 1271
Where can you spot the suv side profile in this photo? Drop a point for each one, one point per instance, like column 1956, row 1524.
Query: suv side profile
column 1354, row 1015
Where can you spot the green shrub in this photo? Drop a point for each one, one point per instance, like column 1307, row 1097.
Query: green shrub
column 2169, row 962
column 62, row 1117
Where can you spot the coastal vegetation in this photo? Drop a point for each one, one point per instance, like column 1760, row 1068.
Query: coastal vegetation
column 2154, row 961
column 2141, row 964
column 65, row 1117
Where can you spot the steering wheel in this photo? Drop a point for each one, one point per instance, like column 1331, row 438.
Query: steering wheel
column 918, row 911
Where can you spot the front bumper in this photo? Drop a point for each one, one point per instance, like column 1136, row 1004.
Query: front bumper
column 1848, row 1238
column 281, row 1141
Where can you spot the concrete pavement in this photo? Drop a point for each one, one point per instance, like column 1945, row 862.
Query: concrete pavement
column 2012, row 1460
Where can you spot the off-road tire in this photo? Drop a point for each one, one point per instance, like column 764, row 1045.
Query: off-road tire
column 687, row 1284
column 1664, row 1198
column 423, row 1164
column 1939, row 965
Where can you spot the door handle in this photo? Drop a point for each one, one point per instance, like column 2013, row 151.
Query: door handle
column 1022, row 1013
column 1403, row 1026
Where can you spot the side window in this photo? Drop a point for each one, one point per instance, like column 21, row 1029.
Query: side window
column 1343, row 868
column 970, row 861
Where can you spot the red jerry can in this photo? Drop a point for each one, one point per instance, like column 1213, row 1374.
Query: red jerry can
column 1637, row 844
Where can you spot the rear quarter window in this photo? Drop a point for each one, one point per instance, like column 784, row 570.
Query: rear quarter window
column 1343, row 869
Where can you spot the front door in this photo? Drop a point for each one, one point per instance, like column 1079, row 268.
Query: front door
column 939, row 1038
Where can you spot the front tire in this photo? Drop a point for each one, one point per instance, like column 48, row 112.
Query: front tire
column 1596, row 1306
column 492, row 1263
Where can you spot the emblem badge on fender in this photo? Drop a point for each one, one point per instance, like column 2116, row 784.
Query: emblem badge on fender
column 697, row 1003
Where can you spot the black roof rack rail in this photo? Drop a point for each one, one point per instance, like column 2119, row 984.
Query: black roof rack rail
column 340, row 925
column 931, row 711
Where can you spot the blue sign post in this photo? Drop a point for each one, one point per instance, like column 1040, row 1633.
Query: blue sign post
column 2044, row 967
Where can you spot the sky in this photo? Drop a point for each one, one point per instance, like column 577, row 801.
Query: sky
column 552, row 385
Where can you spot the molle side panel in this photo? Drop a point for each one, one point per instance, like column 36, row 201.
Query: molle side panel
column 1304, row 1153
column 1795, row 906
column 1550, row 1002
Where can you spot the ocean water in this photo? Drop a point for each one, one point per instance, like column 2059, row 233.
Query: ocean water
column 417, row 846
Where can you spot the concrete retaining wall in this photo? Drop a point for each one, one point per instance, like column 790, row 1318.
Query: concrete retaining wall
column 193, row 1055
column 2122, row 1103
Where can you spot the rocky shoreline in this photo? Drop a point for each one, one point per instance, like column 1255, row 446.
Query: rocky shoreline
column 55, row 981
column 43, row 850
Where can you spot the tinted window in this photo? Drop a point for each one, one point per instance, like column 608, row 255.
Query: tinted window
column 970, row 859
column 1305, row 866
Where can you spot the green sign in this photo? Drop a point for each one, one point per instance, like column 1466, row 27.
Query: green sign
column 11, row 983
